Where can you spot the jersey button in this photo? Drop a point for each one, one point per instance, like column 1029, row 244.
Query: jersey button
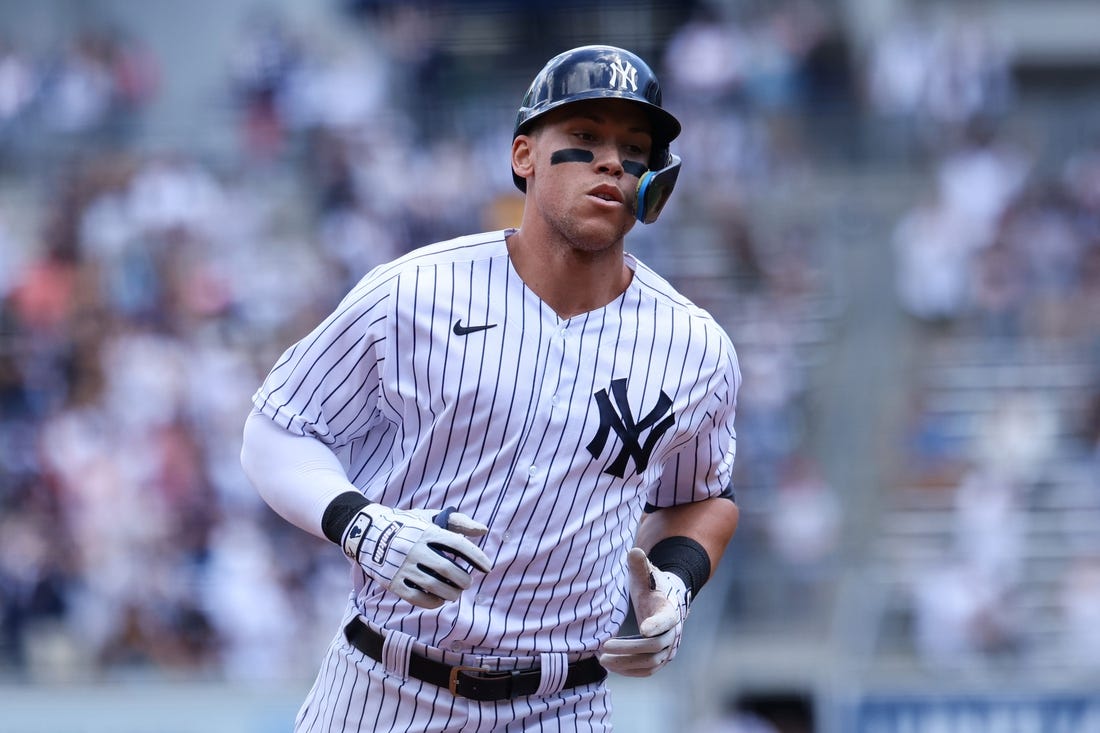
column 456, row 646
column 507, row 537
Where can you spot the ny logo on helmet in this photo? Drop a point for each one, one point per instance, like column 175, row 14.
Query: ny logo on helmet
column 623, row 74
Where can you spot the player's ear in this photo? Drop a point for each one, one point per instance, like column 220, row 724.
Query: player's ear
column 523, row 156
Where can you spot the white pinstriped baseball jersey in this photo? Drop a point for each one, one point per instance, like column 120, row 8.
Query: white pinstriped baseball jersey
column 442, row 380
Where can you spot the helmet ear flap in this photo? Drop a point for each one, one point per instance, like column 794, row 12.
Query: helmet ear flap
column 654, row 189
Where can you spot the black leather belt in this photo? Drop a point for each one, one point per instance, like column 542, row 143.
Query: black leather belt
column 473, row 683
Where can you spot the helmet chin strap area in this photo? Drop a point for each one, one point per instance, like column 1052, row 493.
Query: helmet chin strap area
column 654, row 188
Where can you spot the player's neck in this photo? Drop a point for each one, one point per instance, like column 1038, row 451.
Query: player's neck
column 569, row 281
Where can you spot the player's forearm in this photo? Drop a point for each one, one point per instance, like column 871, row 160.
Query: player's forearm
column 296, row 475
column 710, row 522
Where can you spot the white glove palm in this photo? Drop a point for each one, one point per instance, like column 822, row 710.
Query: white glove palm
column 412, row 553
column 660, row 604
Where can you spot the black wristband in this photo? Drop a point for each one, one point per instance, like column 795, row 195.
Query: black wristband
column 339, row 512
column 684, row 557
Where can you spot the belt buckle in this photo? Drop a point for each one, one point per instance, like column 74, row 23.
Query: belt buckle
column 452, row 683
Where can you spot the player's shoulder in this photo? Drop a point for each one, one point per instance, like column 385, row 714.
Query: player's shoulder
column 676, row 305
column 379, row 284
column 653, row 285
column 467, row 248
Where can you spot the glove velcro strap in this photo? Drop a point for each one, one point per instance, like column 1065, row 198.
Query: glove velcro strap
column 339, row 513
column 355, row 534
column 685, row 558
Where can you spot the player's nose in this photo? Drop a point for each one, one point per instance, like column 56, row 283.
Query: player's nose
column 609, row 160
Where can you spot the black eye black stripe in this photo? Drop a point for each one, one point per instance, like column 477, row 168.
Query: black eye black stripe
column 571, row 155
column 580, row 155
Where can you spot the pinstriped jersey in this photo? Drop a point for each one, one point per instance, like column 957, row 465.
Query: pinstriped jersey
column 442, row 380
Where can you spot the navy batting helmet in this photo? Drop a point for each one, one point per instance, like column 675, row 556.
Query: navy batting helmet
column 607, row 72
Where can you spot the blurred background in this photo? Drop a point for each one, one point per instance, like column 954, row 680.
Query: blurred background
column 893, row 207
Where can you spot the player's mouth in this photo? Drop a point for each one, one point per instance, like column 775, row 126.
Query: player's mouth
column 607, row 192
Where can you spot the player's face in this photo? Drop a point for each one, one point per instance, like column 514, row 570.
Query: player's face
column 586, row 160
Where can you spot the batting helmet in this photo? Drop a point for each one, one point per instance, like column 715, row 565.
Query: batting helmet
column 607, row 72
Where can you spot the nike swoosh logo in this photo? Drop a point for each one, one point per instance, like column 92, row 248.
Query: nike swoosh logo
column 461, row 330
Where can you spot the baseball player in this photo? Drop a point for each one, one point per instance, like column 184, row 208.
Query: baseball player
column 515, row 437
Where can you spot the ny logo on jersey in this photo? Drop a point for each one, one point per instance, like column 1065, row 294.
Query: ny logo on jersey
column 629, row 431
column 623, row 75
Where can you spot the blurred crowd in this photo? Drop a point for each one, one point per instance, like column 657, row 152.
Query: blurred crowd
column 92, row 87
column 150, row 292
column 997, row 263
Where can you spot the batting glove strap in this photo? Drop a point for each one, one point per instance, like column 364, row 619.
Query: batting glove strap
column 410, row 555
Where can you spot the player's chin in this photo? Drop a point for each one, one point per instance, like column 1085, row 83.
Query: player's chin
column 598, row 233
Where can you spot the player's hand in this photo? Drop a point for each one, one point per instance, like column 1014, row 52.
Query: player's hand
column 660, row 604
column 415, row 553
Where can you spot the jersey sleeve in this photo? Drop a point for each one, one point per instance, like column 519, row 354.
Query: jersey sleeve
column 703, row 467
column 327, row 385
